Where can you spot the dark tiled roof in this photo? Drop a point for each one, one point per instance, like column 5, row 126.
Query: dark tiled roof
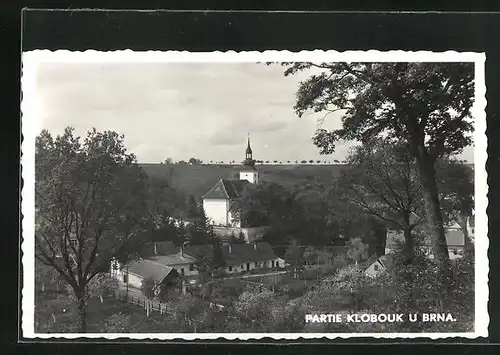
column 149, row 269
column 240, row 253
column 226, row 189
column 387, row 261
column 173, row 259
column 162, row 248
column 248, row 168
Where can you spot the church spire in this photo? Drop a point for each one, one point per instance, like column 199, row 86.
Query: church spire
column 248, row 154
column 249, row 150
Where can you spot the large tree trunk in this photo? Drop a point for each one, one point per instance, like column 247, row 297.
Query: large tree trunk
column 82, row 312
column 409, row 246
column 427, row 172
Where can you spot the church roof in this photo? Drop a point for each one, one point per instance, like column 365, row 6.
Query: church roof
column 249, row 150
column 226, row 189
column 248, row 168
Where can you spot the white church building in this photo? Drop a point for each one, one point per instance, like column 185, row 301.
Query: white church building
column 217, row 202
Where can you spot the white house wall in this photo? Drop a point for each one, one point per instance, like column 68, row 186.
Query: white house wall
column 134, row 280
column 251, row 177
column 255, row 265
column 217, row 211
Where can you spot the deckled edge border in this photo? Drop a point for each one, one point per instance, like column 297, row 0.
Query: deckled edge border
column 29, row 62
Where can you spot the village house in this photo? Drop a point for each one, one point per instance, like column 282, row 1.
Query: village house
column 380, row 265
column 135, row 272
column 241, row 257
column 181, row 262
column 455, row 239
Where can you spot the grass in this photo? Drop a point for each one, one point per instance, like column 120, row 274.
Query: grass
column 66, row 314
column 198, row 179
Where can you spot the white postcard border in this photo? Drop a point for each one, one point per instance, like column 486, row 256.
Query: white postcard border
column 31, row 127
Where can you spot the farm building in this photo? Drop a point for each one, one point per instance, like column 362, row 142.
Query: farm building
column 382, row 264
column 455, row 239
column 136, row 271
column 241, row 257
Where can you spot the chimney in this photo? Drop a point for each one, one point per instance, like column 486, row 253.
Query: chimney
column 154, row 245
column 182, row 250
column 255, row 245
column 229, row 248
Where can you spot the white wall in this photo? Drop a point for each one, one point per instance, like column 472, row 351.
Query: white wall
column 251, row 176
column 217, row 211
column 371, row 272
column 134, row 280
column 255, row 265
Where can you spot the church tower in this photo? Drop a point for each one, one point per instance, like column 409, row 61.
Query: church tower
column 249, row 171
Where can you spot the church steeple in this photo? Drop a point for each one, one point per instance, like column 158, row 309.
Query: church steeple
column 248, row 171
column 248, row 153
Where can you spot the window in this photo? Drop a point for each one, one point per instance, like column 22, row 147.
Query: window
column 272, row 263
column 256, row 264
column 230, row 268
column 125, row 278
column 182, row 271
column 191, row 267
column 242, row 267
column 375, row 267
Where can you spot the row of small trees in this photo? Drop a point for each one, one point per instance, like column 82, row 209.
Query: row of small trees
column 194, row 161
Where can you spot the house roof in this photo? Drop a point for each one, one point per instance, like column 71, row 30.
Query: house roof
column 248, row 168
column 162, row 248
column 387, row 261
column 226, row 189
column 240, row 253
column 173, row 259
column 147, row 268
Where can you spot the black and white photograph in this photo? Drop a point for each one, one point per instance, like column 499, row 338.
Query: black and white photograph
column 178, row 195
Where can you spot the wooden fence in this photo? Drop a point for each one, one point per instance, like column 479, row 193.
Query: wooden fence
column 148, row 305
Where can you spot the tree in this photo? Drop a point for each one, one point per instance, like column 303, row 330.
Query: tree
column 148, row 286
column 237, row 239
column 303, row 161
column 456, row 187
column 311, row 161
column 183, row 234
column 217, row 260
column 318, row 161
column 168, row 161
column 194, row 161
column 426, row 105
column 356, row 250
column 84, row 220
column 200, row 231
column 194, row 209
column 383, row 182
column 310, row 255
column 294, row 256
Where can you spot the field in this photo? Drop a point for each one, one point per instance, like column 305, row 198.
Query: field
column 198, row 179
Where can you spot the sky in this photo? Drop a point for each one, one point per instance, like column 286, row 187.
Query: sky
column 183, row 110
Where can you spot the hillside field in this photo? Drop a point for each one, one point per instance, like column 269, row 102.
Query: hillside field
column 196, row 180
